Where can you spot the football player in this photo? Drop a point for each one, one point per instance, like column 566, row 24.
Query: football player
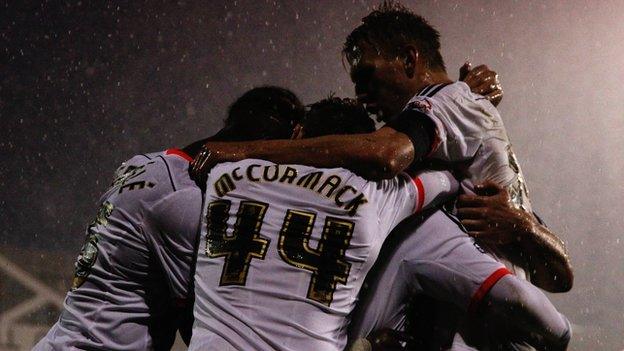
column 143, row 302
column 285, row 248
column 269, row 277
column 131, row 284
column 400, row 75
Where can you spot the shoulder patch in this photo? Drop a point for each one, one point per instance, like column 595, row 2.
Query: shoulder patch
column 422, row 105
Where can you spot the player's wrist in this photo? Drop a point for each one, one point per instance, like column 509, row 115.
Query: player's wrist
column 225, row 152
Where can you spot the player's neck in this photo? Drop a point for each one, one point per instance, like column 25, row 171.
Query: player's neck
column 430, row 77
column 194, row 148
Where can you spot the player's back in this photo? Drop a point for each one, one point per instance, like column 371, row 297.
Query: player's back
column 135, row 263
column 284, row 251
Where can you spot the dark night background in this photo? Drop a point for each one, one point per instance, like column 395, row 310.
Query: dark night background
column 85, row 85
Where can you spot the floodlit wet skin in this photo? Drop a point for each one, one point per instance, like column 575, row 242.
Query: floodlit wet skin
column 385, row 84
column 379, row 82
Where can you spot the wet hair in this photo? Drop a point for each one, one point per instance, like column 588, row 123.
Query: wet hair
column 336, row 116
column 389, row 28
column 266, row 112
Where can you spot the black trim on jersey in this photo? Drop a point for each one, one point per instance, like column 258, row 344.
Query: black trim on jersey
column 418, row 127
column 449, row 208
column 539, row 219
column 425, row 90
column 169, row 171
column 438, row 88
column 147, row 157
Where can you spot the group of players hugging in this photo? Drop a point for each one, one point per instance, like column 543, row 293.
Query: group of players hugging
column 307, row 228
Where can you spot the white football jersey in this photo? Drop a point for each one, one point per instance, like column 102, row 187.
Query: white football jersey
column 471, row 138
column 284, row 250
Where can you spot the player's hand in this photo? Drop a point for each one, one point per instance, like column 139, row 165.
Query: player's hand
column 483, row 81
column 491, row 217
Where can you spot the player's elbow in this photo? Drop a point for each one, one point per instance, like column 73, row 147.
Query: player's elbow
column 390, row 156
column 563, row 281
column 520, row 298
column 385, row 164
column 560, row 280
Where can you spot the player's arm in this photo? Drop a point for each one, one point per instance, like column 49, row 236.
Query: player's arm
column 378, row 155
column 526, row 313
column 491, row 217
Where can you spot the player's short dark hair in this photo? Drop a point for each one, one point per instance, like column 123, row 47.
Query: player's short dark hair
column 336, row 116
column 389, row 28
column 266, row 112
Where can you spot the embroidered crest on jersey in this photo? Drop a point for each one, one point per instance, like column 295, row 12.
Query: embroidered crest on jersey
column 422, row 105
column 88, row 254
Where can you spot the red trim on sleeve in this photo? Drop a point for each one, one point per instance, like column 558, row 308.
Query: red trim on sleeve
column 421, row 193
column 485, row 287
column 180, row 153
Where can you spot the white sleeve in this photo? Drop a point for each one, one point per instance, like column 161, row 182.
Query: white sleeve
column 457, row 133
column 404, row 195
column 434, row 188
column 470, row 132
column 397, row 198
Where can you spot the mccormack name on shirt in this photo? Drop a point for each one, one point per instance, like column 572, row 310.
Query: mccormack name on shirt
column 324, row 183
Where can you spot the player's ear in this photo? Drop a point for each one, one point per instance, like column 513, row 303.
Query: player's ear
column 409, row 55
column 297, row 132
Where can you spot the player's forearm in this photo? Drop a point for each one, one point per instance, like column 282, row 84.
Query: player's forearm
column 547, row 257
column 373, row 156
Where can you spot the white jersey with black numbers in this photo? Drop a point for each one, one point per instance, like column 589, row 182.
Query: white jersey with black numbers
column 132, row 276
column 284, row 250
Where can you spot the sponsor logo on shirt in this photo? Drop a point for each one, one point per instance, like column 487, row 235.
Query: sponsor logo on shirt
column 422, row 105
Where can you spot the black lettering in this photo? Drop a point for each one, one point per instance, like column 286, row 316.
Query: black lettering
column 136, row 185
column 333, row 182
column 327, row 262
column 353, row 205
column 235, row 174
column 245, row 243
column 266, row 176
column 310, row 180
column 250, row 175
column 289, row 175
column 341, row 192
column 224, row 185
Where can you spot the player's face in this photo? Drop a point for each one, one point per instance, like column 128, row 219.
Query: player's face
column 380, row 82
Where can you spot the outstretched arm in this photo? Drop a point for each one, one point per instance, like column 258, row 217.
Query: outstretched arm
column 378, row 155
column 491, row 217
